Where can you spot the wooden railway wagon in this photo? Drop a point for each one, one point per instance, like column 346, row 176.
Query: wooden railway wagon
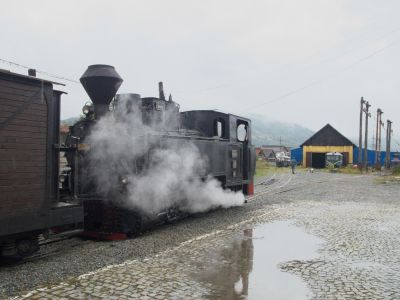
column 29, row 165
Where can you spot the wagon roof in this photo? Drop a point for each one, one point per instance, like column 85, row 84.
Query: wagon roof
column 8, row 73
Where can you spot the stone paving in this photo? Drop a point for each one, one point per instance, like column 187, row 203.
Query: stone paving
column 359, row 258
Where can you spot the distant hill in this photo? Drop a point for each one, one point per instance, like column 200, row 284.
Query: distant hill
column 70, row 121
column 395, row 146
column 269, row 132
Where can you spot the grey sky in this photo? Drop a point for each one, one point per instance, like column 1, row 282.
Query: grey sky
column 307, row 61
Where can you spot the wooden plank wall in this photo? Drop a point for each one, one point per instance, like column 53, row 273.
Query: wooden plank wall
column 22, row 149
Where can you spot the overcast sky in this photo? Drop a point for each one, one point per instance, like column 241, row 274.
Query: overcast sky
column 301, row 61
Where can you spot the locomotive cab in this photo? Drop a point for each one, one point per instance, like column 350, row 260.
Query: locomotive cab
column 234, row 166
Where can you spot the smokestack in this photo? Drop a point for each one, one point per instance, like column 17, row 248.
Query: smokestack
column 101, row 83
column 161, row 90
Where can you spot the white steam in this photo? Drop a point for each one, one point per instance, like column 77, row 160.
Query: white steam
column 139, row 168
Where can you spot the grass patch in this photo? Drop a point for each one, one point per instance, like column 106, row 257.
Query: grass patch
column 349, row 170
column 263, row 169
column 393, row 177
column 344, row 170
column 396, row 171
column 388, row 179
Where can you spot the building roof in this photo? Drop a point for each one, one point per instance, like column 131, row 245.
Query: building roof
column 276, row 148
column 327, row 136
column 7, row 73
column 259, row 151
column 269, row 153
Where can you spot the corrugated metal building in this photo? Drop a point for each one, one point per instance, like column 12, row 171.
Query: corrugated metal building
column 326, row 140
column 297, row 154
column 371, row 156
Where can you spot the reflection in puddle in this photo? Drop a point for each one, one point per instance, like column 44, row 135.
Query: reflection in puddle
column 246, row 265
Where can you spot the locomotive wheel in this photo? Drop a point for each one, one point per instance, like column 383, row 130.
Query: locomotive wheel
column 27, row 246
column 20, row 248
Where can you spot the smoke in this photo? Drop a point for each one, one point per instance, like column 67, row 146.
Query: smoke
column 140, row 167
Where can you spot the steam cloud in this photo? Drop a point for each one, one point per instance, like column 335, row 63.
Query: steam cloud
column 158, row 173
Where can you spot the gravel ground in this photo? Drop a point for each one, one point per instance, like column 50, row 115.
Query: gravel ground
column 356, row 217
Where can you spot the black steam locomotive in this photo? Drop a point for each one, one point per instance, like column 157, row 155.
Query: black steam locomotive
column 40, row 196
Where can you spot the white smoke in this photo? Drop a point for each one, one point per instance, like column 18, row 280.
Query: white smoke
column 158, row 173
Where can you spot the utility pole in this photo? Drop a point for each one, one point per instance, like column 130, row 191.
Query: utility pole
column 360, row 134
column 381, row 124
column 367, row 115
column 373, row 143
column 376, row 134
column 378, row 122
column 388, row 140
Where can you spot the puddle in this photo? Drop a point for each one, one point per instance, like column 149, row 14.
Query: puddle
column 246, row 265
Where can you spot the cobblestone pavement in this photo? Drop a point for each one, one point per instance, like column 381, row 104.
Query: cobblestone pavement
column 357, row 219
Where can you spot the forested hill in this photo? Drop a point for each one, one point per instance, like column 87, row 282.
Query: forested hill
column 269, row 132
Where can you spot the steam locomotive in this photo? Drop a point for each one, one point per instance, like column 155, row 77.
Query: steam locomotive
column 40, row 196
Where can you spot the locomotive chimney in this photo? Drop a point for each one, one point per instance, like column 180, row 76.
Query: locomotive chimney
column 101, row 83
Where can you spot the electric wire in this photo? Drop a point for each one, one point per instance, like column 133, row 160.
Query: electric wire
column 11, row 63
column 283, row 96
column 369, row 56
column 328, row 59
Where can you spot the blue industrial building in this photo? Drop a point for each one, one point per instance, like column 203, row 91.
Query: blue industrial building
column 297, row 154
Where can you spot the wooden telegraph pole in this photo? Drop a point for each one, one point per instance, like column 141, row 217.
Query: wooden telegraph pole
column 388, row 141
column 378, row 122
column 381, row 124
column 360, row 134
column 376, row 134
column 367, row 115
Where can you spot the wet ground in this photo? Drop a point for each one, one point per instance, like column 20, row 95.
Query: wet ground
column 246, row 263
column 305, row 236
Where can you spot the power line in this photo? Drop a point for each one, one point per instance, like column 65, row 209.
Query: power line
column 11, row 63
column 328, row 59
column 326, row 77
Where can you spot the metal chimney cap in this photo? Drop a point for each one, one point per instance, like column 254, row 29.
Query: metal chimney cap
column 100, row 70
column 101, row 82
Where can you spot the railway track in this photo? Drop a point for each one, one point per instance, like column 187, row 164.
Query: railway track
column 270, row 184
column 59, row 237
column 277, row 183
column 43, row 253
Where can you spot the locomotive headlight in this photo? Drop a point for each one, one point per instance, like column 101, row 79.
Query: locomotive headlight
column 87, row 109
column 124, row 179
